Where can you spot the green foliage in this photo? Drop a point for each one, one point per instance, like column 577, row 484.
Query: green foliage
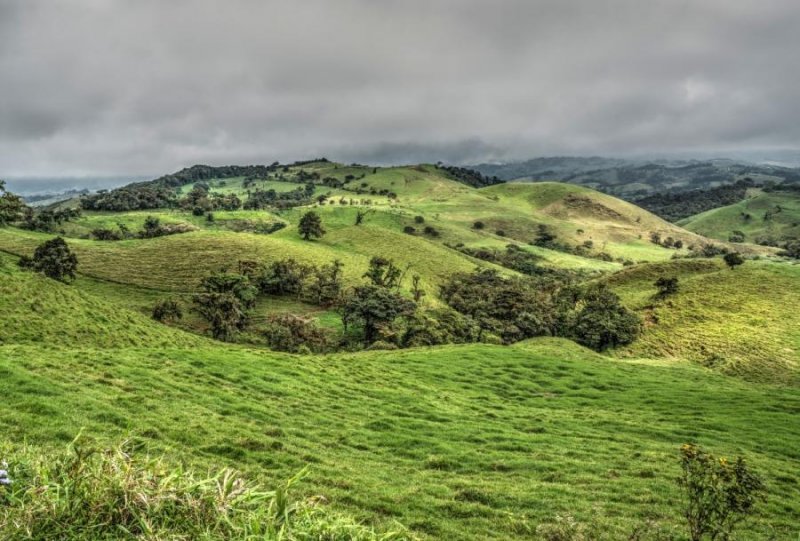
column 666, row 286
column 167, row 311
column 512, row 308
column 374, row 308
column 11, row 206
column 54, row 259
column 383, row 272
column 89, row 493
column 295, row 334
column 285, row 277
column 601, row 321
column 311, row 226
column 224, row 303
column 719, row 495
column 47, row 220
column 326, row 285
column 733, row 259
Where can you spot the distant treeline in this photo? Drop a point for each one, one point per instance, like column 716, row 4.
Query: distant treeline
column 470, row 177
column 676, row 206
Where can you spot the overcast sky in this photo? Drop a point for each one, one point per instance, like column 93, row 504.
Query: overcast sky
column 149, row 86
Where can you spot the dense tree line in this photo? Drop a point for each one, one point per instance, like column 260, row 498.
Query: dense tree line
column 676, row 206
column 11, row 206
column 470, row 177
column 47, row 220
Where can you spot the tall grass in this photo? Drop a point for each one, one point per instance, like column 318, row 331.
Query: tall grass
column 93, row 493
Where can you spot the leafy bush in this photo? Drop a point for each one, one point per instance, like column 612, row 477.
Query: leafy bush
column 733, row 259
column 374, row 308
column 292, row 333
column 600, row 321
column 718, row 495
column 54, row 259
column 224, row 303
column 666, row 286
column 89, row 493
column 167, row 310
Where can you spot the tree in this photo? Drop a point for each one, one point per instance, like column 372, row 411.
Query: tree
column 544, row 237
column 224, row 303
column 167, row 310
column 666, row 286
column 736, row 236
column 292, row 333
column 284, row 277
column 326, row 287
column 11, row 206
column 311, row 226
column 602, row 322
column 361, row 214
column 478, row 225
column 416, row 289
column 733, row 259
column 374, row 307
column 54, row 259
column 382, row 272
column 719, row 494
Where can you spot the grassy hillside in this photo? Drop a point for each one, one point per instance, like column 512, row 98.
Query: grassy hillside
column 741, row 321
column 763, row 215
column 469, row 442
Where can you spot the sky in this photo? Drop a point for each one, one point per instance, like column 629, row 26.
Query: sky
column 138, row 87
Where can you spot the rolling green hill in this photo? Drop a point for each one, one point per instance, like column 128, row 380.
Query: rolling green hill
column 470, row 442
column 762, row 216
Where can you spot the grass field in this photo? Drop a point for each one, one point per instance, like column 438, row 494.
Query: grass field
column 471, row 442
column 775, row 215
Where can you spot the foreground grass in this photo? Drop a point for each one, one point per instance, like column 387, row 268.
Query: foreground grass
column 469, row 442
column 90, row 493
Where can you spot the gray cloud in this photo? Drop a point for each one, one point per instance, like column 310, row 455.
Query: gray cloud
column 147, row 86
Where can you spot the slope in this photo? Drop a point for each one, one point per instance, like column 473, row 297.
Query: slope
column 762, row 217
column 468, row 442
column 741, row 321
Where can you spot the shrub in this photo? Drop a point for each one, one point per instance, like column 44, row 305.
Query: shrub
column 500, row 233
column 666, row 286
column 718, row 494
column 167, row 310
column 733, row 259
column 478, row 225
column 431, row 231
column 736, row 236
column 373, row 308
column 419, row 219
column 54, row 259
column 409, row 230
column 601, row 322
column 106, row 234
column 224, row 303
column 292, row 333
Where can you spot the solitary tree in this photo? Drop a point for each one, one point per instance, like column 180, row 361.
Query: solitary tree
column 311, row 225
column 733, row 259
column 54, row 259
column 666, row 286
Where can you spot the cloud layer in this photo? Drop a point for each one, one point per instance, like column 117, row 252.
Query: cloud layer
column 147, row 86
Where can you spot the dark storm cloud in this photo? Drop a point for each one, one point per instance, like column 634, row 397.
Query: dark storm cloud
column 146, row 86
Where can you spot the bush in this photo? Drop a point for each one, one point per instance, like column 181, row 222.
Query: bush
column 419, row 219
column 733, row 259
column 718, row 494
column 106, row 234
column 54, row 259
column 478, row 225
column 89, row 493
column 292, row 333
column 431, row 231
column 601, row 322
column 409, row 230
column 666, row 286
column 167, row 310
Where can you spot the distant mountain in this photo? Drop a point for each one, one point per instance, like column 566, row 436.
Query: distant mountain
column 633, row 180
